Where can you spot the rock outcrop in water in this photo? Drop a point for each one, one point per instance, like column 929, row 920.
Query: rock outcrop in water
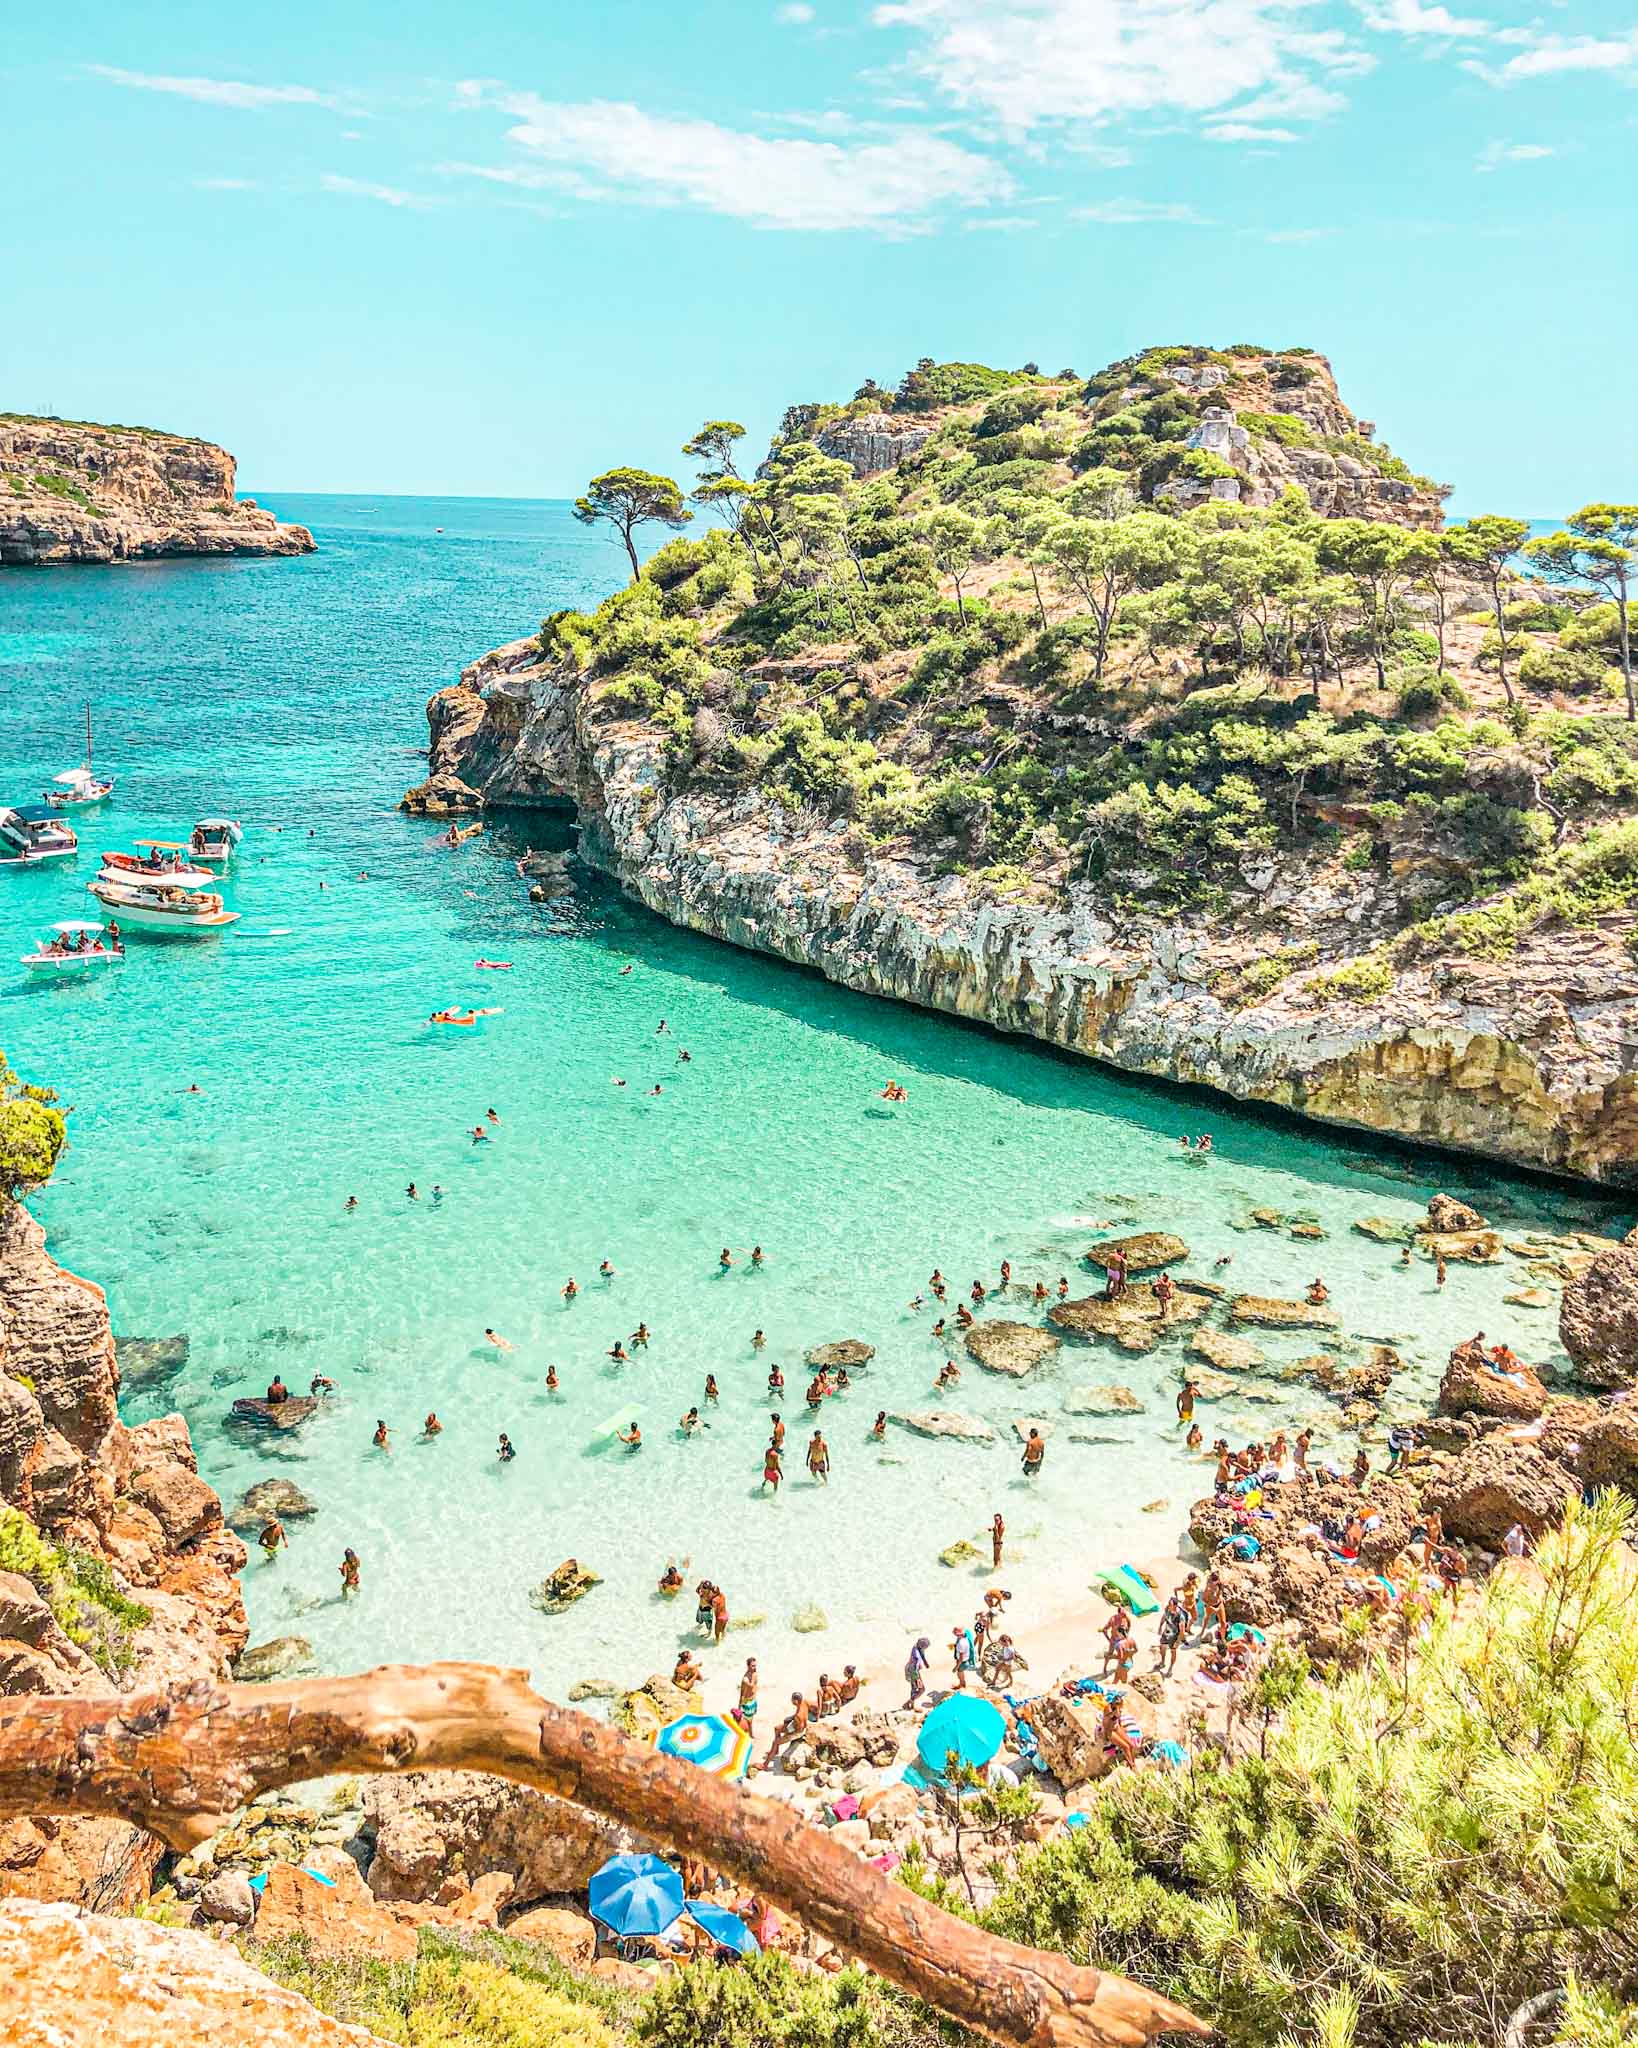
column 73, row 491
column 115, row 1562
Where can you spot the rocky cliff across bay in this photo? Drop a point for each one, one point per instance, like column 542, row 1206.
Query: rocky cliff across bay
column 72, row 491
column 117, row 1570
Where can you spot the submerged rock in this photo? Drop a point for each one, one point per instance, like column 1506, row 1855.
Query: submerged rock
column 942, row 1422
column 268, row 1499
column 809, row 1619
column 960, row 1553
column 147, row 1365
column 1270, row 1313
column 1144, row 1252
column 280, row 1657
column 593, row 1689
column 281, row 1415
column 1110, row 1400
column 560, row 1589
column 1132, row 1320
column 852, row 1352
column 1384, row 1229
column 1225, row 1351
column 1013, row 1348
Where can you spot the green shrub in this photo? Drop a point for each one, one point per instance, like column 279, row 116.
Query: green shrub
column 84, row 1597
column 1366, row 980
column 32, row 1132
column 931, row 385
column 1424, row 693
column 765, row 2003
column 1284, row 427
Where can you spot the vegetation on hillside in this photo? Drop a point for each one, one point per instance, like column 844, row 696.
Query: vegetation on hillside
column 85, row 1600
column 1009, row 656
column 32, row 1131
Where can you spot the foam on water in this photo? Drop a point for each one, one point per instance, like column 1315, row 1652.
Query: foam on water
column 290, row 694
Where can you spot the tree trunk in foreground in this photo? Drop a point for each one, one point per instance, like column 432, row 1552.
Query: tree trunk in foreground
column 181, row 1762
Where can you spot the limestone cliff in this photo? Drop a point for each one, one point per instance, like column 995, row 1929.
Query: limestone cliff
column 71, row 491
column 1531, row 1060
column 115, row 1563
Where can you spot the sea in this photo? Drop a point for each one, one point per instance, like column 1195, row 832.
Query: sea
column 229, row 1098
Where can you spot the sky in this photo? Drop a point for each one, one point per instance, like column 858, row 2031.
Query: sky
column 492, row 248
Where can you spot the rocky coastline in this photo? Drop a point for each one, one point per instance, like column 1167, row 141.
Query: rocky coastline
column 73, row 491
column 1528, row 1060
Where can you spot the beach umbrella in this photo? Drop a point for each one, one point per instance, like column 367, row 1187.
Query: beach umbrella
column 725, row 1928
column 636, row 1895
column 709, row 1740
column 973, row 1728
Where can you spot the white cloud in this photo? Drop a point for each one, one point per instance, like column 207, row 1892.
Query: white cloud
column 1550, row 56
column 1000, row 223
column 1131, row 213
column 1494, row 154
column 796, row 12
column 1412, row 18
column 1105, row 155
column 385, row 195
column 1032, row 62
column 610, row 148
column 218, row 92
column 1247, row 131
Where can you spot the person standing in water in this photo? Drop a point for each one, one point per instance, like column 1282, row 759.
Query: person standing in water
column 1185, row 1401
column 771, row 1472
column 998, row 1533
column 273, row 1539
column 349, row 1572
column 1034, row 1453
column 819, row 1459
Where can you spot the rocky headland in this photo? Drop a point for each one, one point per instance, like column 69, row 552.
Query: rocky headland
column 1373, row 867
column 75, row 491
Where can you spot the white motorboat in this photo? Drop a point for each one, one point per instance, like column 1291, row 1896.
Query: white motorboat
column 33, row 832
column 213, row 840
column 161, row 860
column 77, row 948
column 81, row 785
column 163, row 906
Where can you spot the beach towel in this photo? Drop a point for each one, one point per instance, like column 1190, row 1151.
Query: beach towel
column 845, row 1807
column 1076, row 1820
column 1172, row 1753
column 1125, row 1583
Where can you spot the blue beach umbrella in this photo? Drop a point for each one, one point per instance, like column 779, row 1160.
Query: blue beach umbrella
column 636, row 1895
column 709, row 1740
column 725, row 1928
column 971, row 1727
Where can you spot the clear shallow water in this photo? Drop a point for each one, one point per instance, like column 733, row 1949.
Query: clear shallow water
column 290, row 694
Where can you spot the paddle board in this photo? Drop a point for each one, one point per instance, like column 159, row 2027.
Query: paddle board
column 622, row 1418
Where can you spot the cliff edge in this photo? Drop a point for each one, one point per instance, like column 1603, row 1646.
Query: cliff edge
column 72, row 491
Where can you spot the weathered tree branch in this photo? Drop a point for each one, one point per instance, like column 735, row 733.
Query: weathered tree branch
column 180, row 1762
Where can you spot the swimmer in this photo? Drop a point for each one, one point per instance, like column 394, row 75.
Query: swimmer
column 413, row 1192
column 1063, row 1288
column 551, row 1379
column 615, row 1081
column 632, row 1438
column 1040, row 1294
column 273, row 1539
column 479, row 1135
column 756, row 1255
column 437, row 1194
column 630, row 964
column 617, row 1351
column 638, row 1340
column 1006, row 1273
column 671, row 1581
column 757, row 1340
column 778, row 1438
column 318, row 1384
column 349, row 1572
column 878, row 1429
column 843, row 1381
column 432, row 1426
column 493, row 1115
column 656, row 1089
column 499, row 1342
column 506, row 1453
column 948, row 1374
column 938, row 1328
column 1217, row 1265
column 725, row 1259
column 1194, row 1439
column 690, row 1423
column 711, row 1390
column 964, row 1316
column 684, row 1056
column 1034, row 1453
column 605, row 1271
column 819, row 1459
column 776, row 1384
column 1318, row 1293
column 686, row 1674
column 1405, row 1256
column 975, row 1294
column 917, row 1303
column 349, row 1205
column 661, row 1026
column 380, row 1437
column 570, row 1288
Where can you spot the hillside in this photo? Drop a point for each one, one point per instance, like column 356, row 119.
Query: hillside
column 1069, row 722
column 74, row 491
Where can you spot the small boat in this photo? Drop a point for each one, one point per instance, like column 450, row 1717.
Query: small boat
column 213, row 840
column 163, row 906
column 96, row 947
column 81, row 785
column 34, row 832
column 162, row 862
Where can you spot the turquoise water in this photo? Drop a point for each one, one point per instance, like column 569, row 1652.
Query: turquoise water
column 290, row 694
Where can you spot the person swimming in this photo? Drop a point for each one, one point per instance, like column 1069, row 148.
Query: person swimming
column 499, row 1342
column 712, row 1392
column 349, row 1572
column 506, row 1453
column 432, row 1426
column 632, row 1438
column 671, row 1581
column 570, row 1288
column 757, row 1340
column 638, row 1340
column 878, row 1429
column 605, row 1271
column 690, row 1423
column 350, row 1204
column 551, row 1379
column 725, row 1259
column 380, row 1438
column 617, row 1351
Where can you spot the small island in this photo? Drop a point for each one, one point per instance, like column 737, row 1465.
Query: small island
column 74, row 491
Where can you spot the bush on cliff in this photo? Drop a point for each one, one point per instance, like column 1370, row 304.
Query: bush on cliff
column 31, row 1135
column 1426, row 1844
column 86, row 1602
column 765, row 2003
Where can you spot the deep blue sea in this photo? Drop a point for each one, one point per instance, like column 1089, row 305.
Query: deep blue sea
column 290, row 694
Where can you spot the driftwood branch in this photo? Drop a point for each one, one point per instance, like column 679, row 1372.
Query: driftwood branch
column 180, row 1762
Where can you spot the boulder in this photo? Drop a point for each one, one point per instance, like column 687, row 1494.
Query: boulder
column 1270, row 1313
column 279, row 1657
column 1013, row 1348
column 1133, row 1321
column 560, row 1589
column 1494, row 1483
column 1384, row 1229
column 229, row 1899
column 1111, row 1400
column 835, row 1743
column 1598, row 1318
column 1309, row 1233
column 428, row 1825
column 174, row 1494
column 957, row 1554
column 73, row 1979
column 280, row 1499
column 335, row 1919
column 1462, row 1247
column 1228, row 1353
column 1529, row 1297
column 941, row 1422
column 646, row 1709
column 852, row 1352
column 249, row 1413
column 1472, row 1386
column 1605, row 1445
column 1066, row 1739
column 148, row 1365
column 1445, row 1213
column 569, row 1934
column 1146, row 1251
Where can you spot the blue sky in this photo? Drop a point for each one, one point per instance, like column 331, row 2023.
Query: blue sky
column 390, row 245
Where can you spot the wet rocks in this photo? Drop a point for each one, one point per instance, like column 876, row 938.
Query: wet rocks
column 960, row 1553
column 1462, row 1247
column 148, row 1365
column 1270, row 1313
column 943, row 1422
column 270, row 1500
column 1143, row 1252
column 1226, row 1352
column 1472, row 1386
column 1111, row 1400
column 1530, row 1297
column 809, row 1619
column 593, row 1689
column 250, row 1412
column 1445, row 1214
column 1011, row 1348
column 1598, row 1318
column 1384, row 1229
column 279, row 1657
column 428, row 1824
column 560, row 1589
column 1132, row 1320
column 852, row 1352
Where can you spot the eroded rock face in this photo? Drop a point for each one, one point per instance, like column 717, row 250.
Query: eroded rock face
column 1493, row 1484
column 340, row 1918
column 1143, row 1252
column 70, row 1979
column 1012, row 1348
column 430, row 1824
column 1598, row 1318
column 872, row 442
column 74, row 492
column 1471, row 1386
